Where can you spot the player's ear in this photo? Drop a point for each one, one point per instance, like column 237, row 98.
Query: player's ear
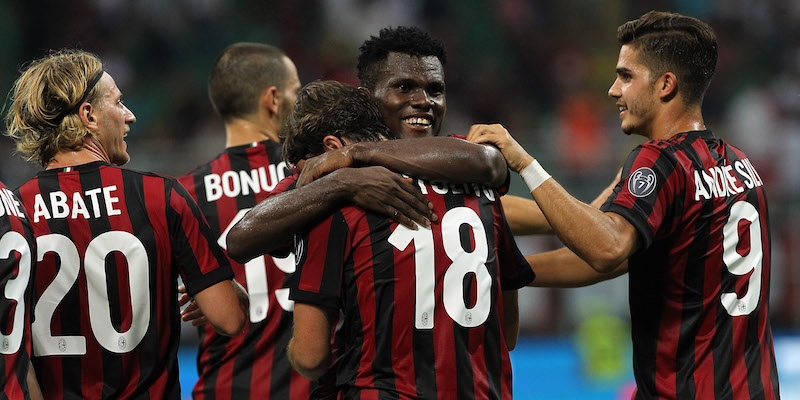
column 270, row 99
column 331, row 142
column 86, row 113
column 667, row 86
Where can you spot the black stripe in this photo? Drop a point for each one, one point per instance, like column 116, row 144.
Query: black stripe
column 383, row 278
column 280, row 382
column 463, row 363
column 113, row 383
column 142, row 227
column 69, row 308
column 243, row 361
column 492, row 346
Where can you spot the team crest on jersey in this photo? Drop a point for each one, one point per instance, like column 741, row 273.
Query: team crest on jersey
column 642, row 182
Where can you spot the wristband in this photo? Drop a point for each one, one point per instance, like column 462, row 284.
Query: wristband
column 534, row 175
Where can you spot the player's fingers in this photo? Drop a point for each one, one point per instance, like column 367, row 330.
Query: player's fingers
column 411, row 195
column 475, row 131
column 413, row 209
column 184, row 299
column 181, row 288
column 199, row 321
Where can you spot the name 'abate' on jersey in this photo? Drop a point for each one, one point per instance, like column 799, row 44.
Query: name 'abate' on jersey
column 722, row 182
column 92, row 203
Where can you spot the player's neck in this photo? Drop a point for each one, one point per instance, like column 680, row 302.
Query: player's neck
column 673, row 122
column 239, row 132
column 90, row 151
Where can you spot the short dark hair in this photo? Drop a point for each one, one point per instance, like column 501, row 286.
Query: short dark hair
column 330, row 108
column 241, row 73
column 403, row 39
column 671, row 42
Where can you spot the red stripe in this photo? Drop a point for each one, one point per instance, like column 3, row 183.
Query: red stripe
column 313, row 267
column 365, row 296
column 156, row 205
column 122, row 222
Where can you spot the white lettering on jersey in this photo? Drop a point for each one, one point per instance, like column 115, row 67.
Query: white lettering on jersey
column 719, row 182
column 235, row 183
column 61, row 204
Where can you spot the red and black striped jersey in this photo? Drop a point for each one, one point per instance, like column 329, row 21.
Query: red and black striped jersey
column 422, row 313
column 17, row 251
column 699, row 282
column 111, row 244
column 253, row 364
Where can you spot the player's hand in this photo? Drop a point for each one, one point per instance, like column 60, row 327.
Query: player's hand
column 382, row 191
column 516, row 157
column 324, row 164
column 192, row 312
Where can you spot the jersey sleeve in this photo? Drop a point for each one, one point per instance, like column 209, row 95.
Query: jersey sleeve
column 320, row 255
column 514, row 270
column 648, row 189
column 194, row 250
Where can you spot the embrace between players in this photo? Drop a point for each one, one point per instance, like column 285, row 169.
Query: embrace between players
column 363, row 282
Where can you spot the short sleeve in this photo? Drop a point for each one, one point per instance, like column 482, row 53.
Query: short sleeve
column 648, row 188
column 320, row 255
column 201, row 261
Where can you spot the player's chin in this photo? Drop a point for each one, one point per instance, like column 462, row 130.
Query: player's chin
column 417, row 131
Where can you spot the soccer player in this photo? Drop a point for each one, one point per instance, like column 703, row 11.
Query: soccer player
column 403, row 69
column 688, row 222
column 253, row 87
column 428, row 312
column 111, row 241
column 17, row 251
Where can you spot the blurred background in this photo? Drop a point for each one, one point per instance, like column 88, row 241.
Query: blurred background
column 540, row 68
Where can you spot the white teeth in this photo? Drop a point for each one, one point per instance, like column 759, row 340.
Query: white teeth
column 621, row 108
column 417, row 121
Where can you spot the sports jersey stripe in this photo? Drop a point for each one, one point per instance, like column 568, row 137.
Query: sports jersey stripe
column 156, row 197
column 494, row 347
column 40, row 280
column 380, row 255
column 15, row 365
column 237, row 375
column 111, row 370
column 479, row 336
column 461, row 336
column 367, row 298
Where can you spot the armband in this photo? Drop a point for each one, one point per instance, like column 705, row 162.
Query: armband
column 534, row 175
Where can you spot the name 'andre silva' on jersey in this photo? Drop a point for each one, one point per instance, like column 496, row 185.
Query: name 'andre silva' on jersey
column 234, row 183
column 722, row 182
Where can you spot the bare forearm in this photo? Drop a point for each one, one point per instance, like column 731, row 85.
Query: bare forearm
column 562, row 268
column 272, row 222
column 603, row 240
column 524, row 216
column 443, row 159
column 309, row 371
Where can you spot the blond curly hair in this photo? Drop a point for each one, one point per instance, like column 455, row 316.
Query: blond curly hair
column 42, row 117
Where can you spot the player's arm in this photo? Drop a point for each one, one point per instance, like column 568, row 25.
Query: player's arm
column 511, row 318
column 526, row 218
column 271, row 223
column 33, row 384
column 435, row 158
column 309, row 350
column 603, row 239
column 224, row 305
column 562, row 268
